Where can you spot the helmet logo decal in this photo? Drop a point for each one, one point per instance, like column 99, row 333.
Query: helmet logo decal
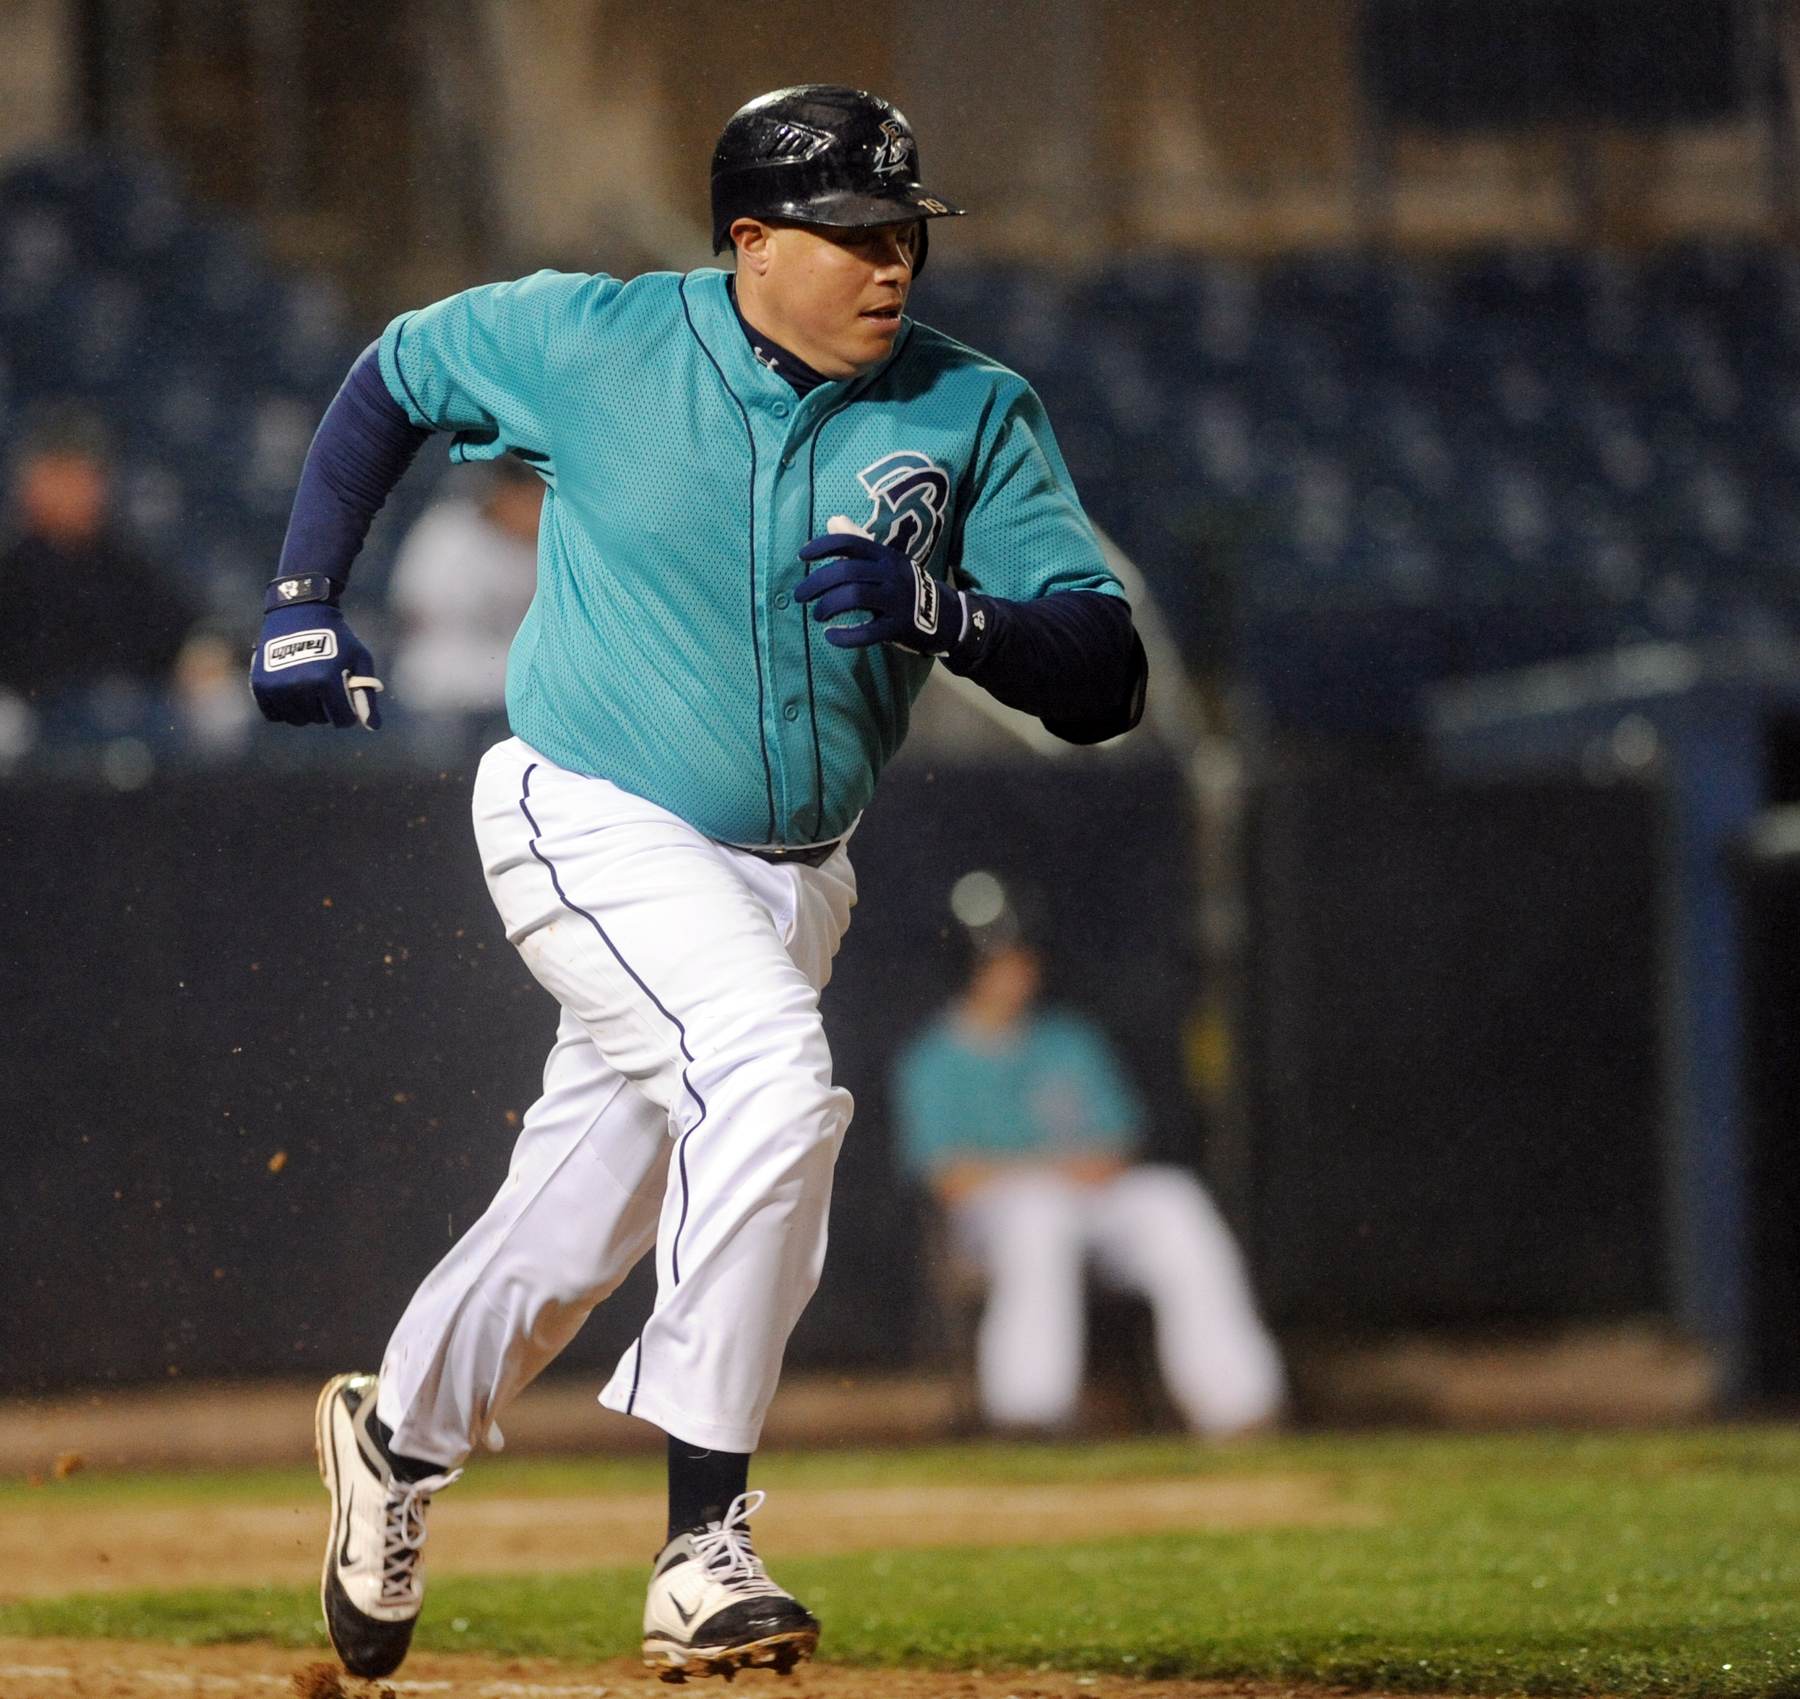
column 791, row 142
column 894, row 154
column 911, row 496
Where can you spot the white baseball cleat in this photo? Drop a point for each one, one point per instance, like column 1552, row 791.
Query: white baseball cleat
column 373, row 1586
column 713, row 1610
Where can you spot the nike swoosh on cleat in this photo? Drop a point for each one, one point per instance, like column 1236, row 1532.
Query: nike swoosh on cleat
column 686, row 1616
column 345, row 1560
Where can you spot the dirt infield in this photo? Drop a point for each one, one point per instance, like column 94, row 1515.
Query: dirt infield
column 1584, row 1377
column 123, row 1669
column 50, row 1551
column 226, row 1425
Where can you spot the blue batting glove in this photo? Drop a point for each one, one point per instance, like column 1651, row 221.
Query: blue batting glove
column 906, row 605
column 310, row 668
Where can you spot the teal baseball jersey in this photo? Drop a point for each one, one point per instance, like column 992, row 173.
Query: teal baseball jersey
column 664, row 649
column 1052, row 1089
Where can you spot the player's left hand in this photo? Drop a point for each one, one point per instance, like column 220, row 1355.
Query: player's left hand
column 906, row 605
column 311, row 669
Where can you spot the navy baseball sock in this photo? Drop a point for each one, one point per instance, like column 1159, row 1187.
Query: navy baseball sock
column 405, row 1468
column 702, row 1484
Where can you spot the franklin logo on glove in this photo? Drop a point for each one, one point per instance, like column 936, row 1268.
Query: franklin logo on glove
column 280, row 652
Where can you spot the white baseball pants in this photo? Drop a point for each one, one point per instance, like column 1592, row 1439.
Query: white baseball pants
column 688, row 1103
column 1152, row 1230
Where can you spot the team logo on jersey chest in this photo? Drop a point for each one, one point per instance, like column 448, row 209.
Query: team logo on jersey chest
column 911, row 496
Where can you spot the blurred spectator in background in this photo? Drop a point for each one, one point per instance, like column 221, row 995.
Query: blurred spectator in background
column 464, row 577
column 212, row 694
column 1023, row 1124
column 83, row 608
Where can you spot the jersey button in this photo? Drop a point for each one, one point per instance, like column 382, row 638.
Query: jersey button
column 792, row 711
column 780, row 409
column 782, row 600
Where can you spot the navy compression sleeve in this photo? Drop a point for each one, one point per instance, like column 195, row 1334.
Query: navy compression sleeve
column 363, row 446
column 1073, row 658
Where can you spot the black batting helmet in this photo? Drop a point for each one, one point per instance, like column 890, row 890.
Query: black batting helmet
column 820, row 153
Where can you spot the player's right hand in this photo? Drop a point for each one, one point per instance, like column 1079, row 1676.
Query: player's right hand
column 310, row 669
column 905, row 604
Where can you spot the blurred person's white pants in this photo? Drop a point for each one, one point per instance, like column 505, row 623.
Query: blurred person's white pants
column 688, row 1103
column 1151, row 1230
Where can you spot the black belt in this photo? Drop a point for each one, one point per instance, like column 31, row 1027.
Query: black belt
column 780, row 855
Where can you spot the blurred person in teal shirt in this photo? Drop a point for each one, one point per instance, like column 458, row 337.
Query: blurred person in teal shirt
column 1024, row 1126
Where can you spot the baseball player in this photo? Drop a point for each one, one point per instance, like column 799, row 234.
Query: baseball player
column 1022, row 1122
column 773, row 503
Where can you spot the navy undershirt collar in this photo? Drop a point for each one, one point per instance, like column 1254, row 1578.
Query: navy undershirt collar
column 789, row 367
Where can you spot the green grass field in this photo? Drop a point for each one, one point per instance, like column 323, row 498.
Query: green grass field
column 1543, row 1564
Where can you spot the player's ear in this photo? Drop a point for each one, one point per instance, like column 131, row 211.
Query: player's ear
column 753, row 241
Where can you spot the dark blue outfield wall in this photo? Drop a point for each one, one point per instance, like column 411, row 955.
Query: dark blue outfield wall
column 1453, row 1052
column 1450, row 1049
column 200, row 975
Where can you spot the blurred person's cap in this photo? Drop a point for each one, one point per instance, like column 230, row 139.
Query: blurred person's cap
column 993, row 917
column 820, row 153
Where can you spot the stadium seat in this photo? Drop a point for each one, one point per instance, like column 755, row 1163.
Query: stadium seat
column 1564, row 434
column 1606, row 445
column 208, row 366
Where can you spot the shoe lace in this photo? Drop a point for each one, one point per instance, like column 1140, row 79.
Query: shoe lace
column 403, row 1535
column 724, row 1547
